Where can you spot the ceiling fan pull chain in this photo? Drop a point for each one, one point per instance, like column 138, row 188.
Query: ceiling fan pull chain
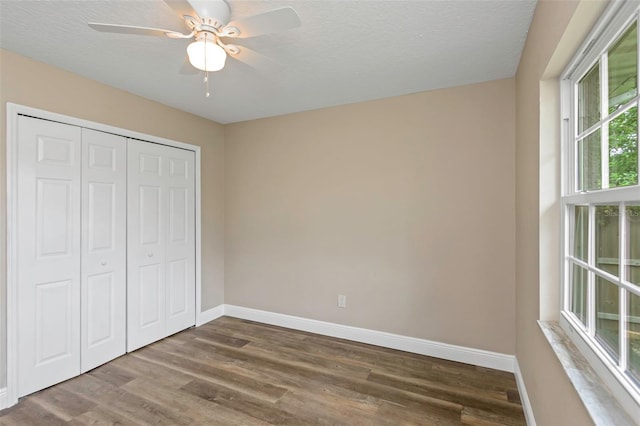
column 206, row 72
column 206, row 80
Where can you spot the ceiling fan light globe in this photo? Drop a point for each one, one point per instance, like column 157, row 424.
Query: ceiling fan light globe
column 214, row 54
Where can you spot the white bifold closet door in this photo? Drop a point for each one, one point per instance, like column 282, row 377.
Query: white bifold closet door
column 160, row 242
column 71, row 259
column 104, row 244
column 48, row 253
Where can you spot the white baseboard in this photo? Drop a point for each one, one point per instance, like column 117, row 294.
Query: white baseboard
column 3, row 399
column 209, row 315
column 463, row 354
column 524, row 396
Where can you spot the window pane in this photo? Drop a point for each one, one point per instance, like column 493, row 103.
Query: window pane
column 607, row 235
column 623, row 69
column 581, row 232
column 633, row 333
column 623, row 149
column 633, row 244
column 607, row 316
column 589, row 99
column 589, row 162
column 579, row 293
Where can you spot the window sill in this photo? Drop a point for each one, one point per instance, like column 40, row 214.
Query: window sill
column 601, row 405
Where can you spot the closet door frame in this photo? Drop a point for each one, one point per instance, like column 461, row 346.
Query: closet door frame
column 13, row 112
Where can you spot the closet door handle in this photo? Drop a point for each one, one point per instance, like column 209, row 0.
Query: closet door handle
column 103, row 263
column 150, row 254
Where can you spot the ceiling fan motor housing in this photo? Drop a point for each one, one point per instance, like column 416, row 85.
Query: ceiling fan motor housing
column 214, row 13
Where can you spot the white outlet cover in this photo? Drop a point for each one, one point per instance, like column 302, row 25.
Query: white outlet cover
column 342, row 301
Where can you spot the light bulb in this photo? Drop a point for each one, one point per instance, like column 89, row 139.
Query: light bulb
column 214, row 54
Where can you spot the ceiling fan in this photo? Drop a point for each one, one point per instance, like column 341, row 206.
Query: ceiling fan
column 208, row 23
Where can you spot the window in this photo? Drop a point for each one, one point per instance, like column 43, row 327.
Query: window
column 601, row 198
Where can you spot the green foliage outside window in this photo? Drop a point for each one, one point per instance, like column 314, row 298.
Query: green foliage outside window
column 623, row 149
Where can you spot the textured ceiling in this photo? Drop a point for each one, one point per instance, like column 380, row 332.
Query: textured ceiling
column 344, row 52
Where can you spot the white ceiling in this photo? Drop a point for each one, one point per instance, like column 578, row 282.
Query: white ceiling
column 344, row 52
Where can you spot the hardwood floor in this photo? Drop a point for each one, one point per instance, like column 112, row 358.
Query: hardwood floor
column 237, row 372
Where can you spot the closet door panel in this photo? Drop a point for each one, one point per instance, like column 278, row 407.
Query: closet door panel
column 48, row 253
column 149, row 274
column 180, row 239
column 101, row 303
column 178, row 288
column 103, row 307
column 150, row 216
column 161, row 242
column 150, row 295
column 146, row 297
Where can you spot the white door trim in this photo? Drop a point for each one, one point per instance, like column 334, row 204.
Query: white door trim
column 13, row 111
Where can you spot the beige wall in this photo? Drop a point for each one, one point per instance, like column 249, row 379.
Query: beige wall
column 37, row 85
column 411, row 206
column 555, row 34
column 405, row 205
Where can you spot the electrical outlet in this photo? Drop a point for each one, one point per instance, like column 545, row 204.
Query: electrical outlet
column 342, row 301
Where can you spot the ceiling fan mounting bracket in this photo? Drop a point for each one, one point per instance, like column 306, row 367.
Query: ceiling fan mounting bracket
column 173, row 34
column 231, row 49
column 230, row 31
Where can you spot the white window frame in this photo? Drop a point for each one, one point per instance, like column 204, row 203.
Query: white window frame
column 615, row 20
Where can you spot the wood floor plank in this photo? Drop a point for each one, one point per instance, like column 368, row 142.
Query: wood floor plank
column 331, row 349
column 479, row 417
column 239, row 372
column 142, row 368
column 464, row 398
column 249, row 405
column 415, row 414
column 203, row 371
column 29, row 413
column 194, row 348
column 275, row 369
column 63, row 403
column 513, row 395
column 469, row 381
column 322, row 408
column 100, row 415
column 125, row 404
column 323, row 376
column 113, row 374
column 283, row 359
column 201, row 412
column 221, row 338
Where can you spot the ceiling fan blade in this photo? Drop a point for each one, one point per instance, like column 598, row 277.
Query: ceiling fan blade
column 264, row 23
column 253, row 59
column 129, row 29
column 182, row 8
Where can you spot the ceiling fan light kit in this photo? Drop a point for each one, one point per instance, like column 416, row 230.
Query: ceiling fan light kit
column 206, row 55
